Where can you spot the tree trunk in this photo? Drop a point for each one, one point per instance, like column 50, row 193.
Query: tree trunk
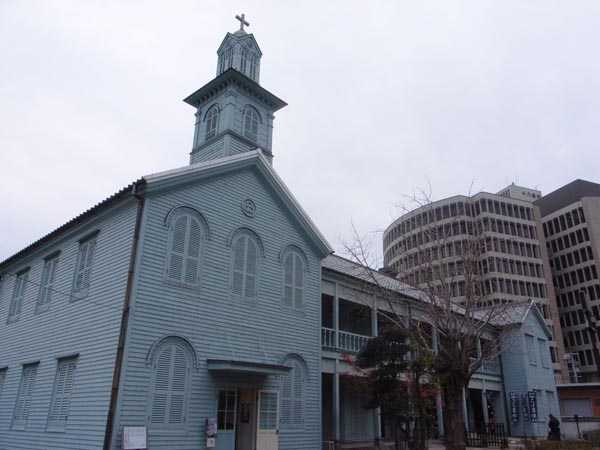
column 454, row 424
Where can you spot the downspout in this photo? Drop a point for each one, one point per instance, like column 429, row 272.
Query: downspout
column 110, row 420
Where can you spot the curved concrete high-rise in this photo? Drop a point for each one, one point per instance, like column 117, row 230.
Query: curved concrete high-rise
column 510, row 260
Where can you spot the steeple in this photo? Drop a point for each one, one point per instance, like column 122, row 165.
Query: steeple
column 234, row 113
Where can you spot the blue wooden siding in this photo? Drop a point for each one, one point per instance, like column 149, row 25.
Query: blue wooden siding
column 521, row 376
column 218, row 325
column 88, row 327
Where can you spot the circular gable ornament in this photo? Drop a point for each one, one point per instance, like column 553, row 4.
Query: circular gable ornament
column 248, row 208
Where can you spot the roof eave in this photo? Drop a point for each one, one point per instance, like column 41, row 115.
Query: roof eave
column 221, row 81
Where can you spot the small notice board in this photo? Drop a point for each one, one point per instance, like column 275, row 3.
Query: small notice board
column 135, row 438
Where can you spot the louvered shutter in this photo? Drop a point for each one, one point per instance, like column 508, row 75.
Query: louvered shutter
column 297, row 398
column 25, row 394
column 2, row 379
column 171, row 378
column 298, row 282
column 18, row 294
column 84, row 266
column 160, row 394
column 87, row 272
column 193, row 248
column 63, row 387
column 286, row 399
column 83, row 249
column 48, row 275
column 176, row 255
column 251, row 268
column 288, row 280
column 178, row 386
column 239, row 250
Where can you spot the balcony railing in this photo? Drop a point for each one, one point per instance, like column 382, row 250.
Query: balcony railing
column 347, row 342
column 488, row 367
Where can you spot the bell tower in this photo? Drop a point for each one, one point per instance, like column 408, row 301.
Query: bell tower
column 234, row 114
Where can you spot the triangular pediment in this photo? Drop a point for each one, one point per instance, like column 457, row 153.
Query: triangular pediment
column 180, row 178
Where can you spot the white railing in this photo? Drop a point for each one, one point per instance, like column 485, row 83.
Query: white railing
column 328, row 337
column 348, row 342
column 488, row 367
column 351, row 342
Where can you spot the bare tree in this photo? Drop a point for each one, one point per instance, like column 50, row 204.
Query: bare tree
column 449, row 276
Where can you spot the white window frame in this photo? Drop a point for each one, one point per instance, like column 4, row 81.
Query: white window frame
column 251, row 123
column 212, row 122
column 531, row 351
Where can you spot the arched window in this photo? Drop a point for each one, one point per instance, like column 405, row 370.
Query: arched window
column 292, row 392
column 185, row 249
column 293, row 280
column 212, row 122
column 171, row 370
column 244, row 266
column 251, row 120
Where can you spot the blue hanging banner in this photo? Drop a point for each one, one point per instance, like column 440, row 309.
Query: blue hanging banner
column 533, row 412
column 514, row 408
column 524, row 406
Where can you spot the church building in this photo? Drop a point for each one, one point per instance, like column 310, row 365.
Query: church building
column 197, row 299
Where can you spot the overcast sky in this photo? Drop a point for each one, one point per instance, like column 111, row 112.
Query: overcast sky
column 384, row 97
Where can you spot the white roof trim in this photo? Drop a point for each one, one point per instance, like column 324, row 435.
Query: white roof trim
column 246, row 156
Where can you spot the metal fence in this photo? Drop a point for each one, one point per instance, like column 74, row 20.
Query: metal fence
column 488, row 435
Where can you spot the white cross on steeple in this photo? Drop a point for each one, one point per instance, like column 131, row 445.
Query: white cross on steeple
column 243, row 22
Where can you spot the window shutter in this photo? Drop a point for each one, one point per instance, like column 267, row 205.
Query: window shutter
column 25, row 394
column 48, row 275
column 18, row 294
column 63, row 386
column 239, row 251
column 84, row 266
column 194, row 244
column 298, row 282
column 288, row 281
column 286, row 399
column 2, row 380
column 177, row 248
column 161, row 386
column 251, row 262
column 178, row 386
column 297, row 399
column 171, row 377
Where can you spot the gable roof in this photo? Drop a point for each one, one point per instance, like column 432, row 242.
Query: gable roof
column 105, row 204
column 176, row 176
column 253, row 159
column 515, row 313
column 358, row 271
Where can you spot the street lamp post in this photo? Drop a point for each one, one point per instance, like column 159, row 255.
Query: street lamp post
column 593, row 329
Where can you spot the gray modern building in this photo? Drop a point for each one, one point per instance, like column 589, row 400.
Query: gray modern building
column 429, row 245
column 571, row 225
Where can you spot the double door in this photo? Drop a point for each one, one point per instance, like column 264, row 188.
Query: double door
column 246, row 417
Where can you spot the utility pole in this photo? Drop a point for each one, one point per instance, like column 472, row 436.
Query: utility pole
column 592, row 328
